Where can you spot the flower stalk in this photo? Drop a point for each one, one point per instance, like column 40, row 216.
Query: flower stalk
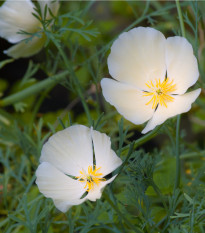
column 127, row 222
column 141, row 140
column 75, row 79
column 178, row 173
column 130, row 148
column 181, row 19
column 34, row 89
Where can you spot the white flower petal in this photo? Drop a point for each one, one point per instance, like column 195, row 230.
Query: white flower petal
column 104, row 155
column 93, row 195
column 56, row 185
column 128, row 100
column 69, row 150
column 26, row 49
column 96, row 193
column 181, row 104
column 138, row 56
column 181, row 63
column 16, row 16
column 63, row 206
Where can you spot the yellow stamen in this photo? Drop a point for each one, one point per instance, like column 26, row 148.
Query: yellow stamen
column 160, row 92
column 91, row 177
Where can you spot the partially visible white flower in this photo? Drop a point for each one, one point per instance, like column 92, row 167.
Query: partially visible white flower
column 16, row 16
column 69, row 153
column 152, row 75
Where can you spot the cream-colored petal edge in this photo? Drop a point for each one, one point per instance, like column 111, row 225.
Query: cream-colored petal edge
column 14, row 18
column 105, row 157
column 96, row 193
column 62, row 205
column 25, row 49
column 93, row 195
column 69, row 150
column 128, row 100
column 138, row 56
column 181, row 63
column 58, row 186
column 181, row 104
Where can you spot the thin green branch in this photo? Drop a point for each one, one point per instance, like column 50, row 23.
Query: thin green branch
column 75, row 79
column 177, row 179
column 134, row 24
column 34, row 89
column 127, row 222
column 191, row 155
column 130, row 148
column 119, row 170
column 37, row 105
column 157, row 191
column 181, row 21
column 141, row 140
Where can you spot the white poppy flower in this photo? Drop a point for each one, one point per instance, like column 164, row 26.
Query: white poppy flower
column 69, row 153
column 152, row 75
column 16, row 16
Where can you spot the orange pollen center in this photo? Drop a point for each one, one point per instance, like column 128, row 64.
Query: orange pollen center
column 91, row 177
column 160, row 92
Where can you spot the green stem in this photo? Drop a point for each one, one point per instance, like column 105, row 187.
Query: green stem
column 177, row 179
column 157, row 191
column 134, row 24
column 76, row 81
column 2, row 223
column 119, row 170
column 133, row 146
column 180, row 18
column 37, row 105
column 192, row 155
column 34, row 89
column 141, row 140
column 127, row 222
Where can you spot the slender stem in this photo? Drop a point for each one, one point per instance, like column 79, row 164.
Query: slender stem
column 76, row 81
column 4, row 222
column 180, row 18
column 34, row 89
column 129, row 148
column 177, row 179
column 178, row 172
column 38, row 105
column 192, row 155
column 134, row 24
column 157, row 190
column 127, row 222
column 141, row 140
column 119, row 170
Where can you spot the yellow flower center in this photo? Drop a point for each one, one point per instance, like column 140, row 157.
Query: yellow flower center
column 160, row 92
column 91, row 177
